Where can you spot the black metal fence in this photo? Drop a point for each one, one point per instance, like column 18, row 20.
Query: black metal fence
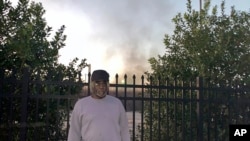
column 158, row 110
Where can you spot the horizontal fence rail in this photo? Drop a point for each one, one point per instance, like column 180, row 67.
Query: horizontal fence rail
column 34, row 109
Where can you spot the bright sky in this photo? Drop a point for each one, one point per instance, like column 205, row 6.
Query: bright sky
column 118, row 35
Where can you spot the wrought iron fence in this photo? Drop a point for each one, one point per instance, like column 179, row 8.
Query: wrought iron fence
column 158, row 110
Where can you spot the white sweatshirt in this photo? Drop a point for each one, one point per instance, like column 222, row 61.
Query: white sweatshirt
column 99, row 120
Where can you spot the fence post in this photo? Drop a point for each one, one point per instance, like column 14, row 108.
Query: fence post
column 89, row 76
column 1, row 92
column 24, row 104
column 199, row 85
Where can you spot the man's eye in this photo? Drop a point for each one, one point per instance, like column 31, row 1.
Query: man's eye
column 99, row 84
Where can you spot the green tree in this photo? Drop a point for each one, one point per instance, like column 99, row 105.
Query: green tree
column 26, row 43
column 213, row 46
column 24, row 37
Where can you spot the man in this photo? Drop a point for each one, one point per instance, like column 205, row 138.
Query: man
column 99, row 117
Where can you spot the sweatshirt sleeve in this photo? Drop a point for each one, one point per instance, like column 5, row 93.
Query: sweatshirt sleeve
column 75, row 125
column 124, row 125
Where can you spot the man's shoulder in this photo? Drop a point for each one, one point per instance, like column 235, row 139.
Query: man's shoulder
column 113, row 98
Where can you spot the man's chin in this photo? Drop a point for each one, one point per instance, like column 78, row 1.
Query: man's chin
column 101, row 95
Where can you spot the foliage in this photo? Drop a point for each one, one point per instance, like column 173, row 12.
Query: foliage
column 26, row 43
column 213, row 46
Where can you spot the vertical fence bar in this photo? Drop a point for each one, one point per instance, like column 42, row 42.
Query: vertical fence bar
column 68, row 114
column 1, row 98
column 116, row 83
column 47, row 119
column 167, row 109
column 57, row 119
column 151, row 110
column 175, row 111
column 190, row 106
column 142, row 108
column 125, row 92
column 1, row 92
column 230, row 103
column 11, row 125
column 38, row 87
column 209, row 116
column 134, row 107
column 11, row 108
column 199, row 84
column 47, row 93
column 24, row 101
column 89, row 76
column 183, row 112
column 159, row 109
column 36, row 117
column 216, row 121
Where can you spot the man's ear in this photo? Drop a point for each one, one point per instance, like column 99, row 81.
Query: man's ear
column 92, row 85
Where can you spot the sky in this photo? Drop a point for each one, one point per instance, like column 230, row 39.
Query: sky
column 118, row 35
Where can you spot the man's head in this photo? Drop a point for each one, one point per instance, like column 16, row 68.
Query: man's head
column 99, row 84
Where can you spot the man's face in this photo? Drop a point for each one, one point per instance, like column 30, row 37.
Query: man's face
column 100, row 89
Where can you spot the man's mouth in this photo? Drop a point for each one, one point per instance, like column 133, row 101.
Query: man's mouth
column 101, row 93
